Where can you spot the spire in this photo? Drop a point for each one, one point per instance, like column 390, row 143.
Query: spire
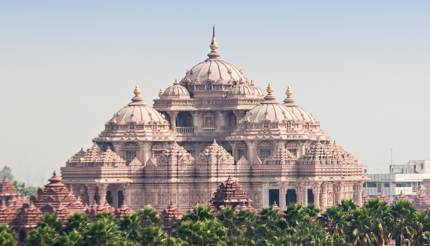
column 137, row 99
column 137, row 91
column 269, row 89
column 213, row 46
column 289, row 93
column 269, row 97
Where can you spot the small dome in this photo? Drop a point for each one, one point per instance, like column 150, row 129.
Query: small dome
column 246, row 90
column 175, row 91
column 214, row 69
column 268, row 111
column 295, row 110
column 138, row 112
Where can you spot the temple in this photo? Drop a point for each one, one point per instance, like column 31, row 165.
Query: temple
column 213, row 124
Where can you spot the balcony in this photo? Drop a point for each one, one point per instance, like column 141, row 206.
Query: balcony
column 185, row 130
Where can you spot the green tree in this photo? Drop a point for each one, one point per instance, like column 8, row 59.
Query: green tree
column 42, row 236
column 103, row 232
column 51, row 220
column 24, row 190
column 7, row 237
column 70, row 238
column 77, row 222
column 153, row 235
column 402, row 216
column 6, row 172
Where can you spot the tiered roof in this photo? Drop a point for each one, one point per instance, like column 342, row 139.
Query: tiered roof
column 93, row 210
column 27, row 217
column 94, row 156
column 56, row 198
column 231, row 194
column 215, row 150
column 327, row 154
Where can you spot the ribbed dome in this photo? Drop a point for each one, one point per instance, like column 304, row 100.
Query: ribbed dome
column 268, row 111
column 246, row 90
column 299, row 113
column 175, row 91
column 138, row 112
column 214, row 69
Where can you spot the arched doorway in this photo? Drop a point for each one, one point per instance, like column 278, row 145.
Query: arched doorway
column 291, row 197
column 109, row 197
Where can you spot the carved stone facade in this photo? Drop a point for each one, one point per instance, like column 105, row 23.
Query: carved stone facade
column 213, row 124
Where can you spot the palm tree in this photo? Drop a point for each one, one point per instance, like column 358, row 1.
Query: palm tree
column 42, row 236
column 131, row 225
column 379, row 213
column 422, row 226
column 199, row 213
column 7, row 237
column 51, row 220
column 153, row 235
column 402, row 216
column 78, row 222
column 103, row 231
column 203, row 232
column 71, row 238
column 149, row 217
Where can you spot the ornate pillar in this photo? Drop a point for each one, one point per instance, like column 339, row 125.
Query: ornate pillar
column 323, row 202
column 316, row 188
column 147, row 153
column 101, row 189
column 91, row 191
column 300, row 193
column 251, row 151
column 358, row 199
column 173, row 115
column 337, row 190
column 282, row 196
column 126, row 193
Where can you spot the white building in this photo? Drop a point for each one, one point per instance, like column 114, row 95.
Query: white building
column 404, row 178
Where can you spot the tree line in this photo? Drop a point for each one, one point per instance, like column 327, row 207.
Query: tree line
column 375, row 223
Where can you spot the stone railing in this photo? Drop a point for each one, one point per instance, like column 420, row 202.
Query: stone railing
column 186, row 130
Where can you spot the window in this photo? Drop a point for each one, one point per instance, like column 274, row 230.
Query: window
column 371, row 184
column 291, row 197
column 386, row 185
column 264, row 154
column 130, row 155
column 209, row 121
column 310, row 197
column 273, row 196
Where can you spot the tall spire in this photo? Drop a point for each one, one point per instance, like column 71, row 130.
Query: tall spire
column 213, row 46
column 269, row 98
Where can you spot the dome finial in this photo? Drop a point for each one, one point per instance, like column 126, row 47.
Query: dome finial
column 160, row 93
column 137, row 91
column 214, row 45
column 289, row 92
column 269, row 89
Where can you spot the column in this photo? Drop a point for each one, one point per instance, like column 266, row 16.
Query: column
column 147, row 153
column 173, row 115
column 323, row 202
column 91, row 191
column 316, row 190
column 251, row 151
column 358, row 199
column 282, row 196
column 337, row 190
column 300, row 193
column 102, row 188
column 126, row 193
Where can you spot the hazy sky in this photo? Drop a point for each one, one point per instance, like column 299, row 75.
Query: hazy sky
column 361, row 67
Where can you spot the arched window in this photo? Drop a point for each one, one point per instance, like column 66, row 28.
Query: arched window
column 264, row 150
column 184, row 119
column 209, row 120
column 109, row 197
column 120, row 198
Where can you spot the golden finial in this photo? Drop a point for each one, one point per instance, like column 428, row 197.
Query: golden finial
column 269, row 88
column 214, row 45
column 160, row 93
column 289, row 92
column 137, row 91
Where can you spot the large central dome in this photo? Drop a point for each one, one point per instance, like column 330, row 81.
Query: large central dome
column 214, row 69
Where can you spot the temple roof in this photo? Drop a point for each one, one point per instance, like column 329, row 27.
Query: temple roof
column 7, row 188
column 96, row 156
column 56, row 198
column 230, row 193
column 27, row 217
column 215, row 150
column 327, row 153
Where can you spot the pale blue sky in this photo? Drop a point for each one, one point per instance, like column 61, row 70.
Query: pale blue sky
column 361, row 67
